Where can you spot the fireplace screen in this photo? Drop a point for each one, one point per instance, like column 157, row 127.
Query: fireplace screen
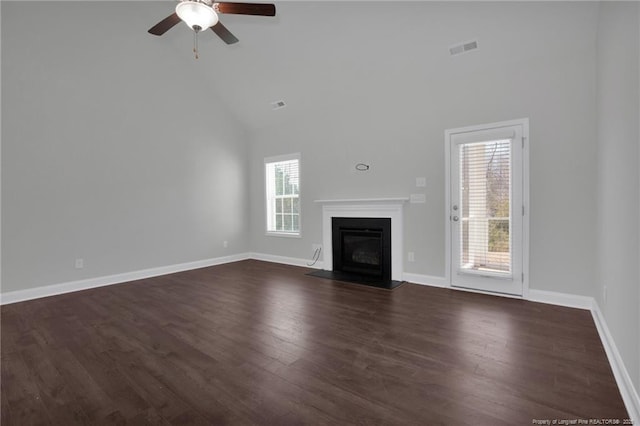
column 362, row 251
column 362, row 246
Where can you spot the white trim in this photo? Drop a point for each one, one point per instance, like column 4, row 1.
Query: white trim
column 447, row 207
column 490, row 126
column 277, row 159
column 283, row 157
column 488, row 293
column 625, row 385
column 365, row 200
column 68, row 287
column 524, row 122
column 560, row 299
column 285, row 260
column 282, row 234
column 387, row 209
column 428, row 280
column 526, row 184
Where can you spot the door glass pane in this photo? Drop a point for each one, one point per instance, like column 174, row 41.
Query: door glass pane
column 485, row 195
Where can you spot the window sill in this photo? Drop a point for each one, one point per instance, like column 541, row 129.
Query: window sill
column 283, row 234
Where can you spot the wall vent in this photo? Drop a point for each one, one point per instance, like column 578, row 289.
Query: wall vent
column 278, row 105
column 463, row 47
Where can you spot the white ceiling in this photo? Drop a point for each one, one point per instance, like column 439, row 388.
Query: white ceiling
column 316, row 55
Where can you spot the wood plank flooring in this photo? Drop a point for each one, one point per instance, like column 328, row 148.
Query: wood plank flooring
column 260, row 343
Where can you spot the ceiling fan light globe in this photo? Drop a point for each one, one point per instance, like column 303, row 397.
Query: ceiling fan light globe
column 196, row 14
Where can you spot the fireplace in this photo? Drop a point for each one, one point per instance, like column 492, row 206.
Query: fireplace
column 362, row 246
column 362, row 266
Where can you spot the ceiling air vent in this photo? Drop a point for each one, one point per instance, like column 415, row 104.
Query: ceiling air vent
column 463, row 47
column 278, row 105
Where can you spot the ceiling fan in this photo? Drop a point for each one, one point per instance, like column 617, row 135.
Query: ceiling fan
column 202, row 14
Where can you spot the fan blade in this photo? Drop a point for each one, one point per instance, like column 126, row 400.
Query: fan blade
column 224, row 33
column 165, row 25
column 261, row 9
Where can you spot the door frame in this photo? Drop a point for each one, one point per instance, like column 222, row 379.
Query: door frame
column 524, row 122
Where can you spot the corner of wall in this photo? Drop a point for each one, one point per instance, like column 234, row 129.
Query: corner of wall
column 623, row 379
column 638, row 379
column 617, row 291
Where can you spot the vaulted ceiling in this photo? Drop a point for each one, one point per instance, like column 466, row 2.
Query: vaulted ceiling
column 318, row 55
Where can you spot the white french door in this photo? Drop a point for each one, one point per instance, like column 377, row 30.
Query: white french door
column 485, row 212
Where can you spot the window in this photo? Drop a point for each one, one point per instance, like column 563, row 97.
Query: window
column 283, row 194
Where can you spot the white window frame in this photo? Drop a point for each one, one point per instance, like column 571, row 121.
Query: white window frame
column 267, row 211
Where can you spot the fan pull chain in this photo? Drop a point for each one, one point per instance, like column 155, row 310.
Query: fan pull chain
column 195, row 43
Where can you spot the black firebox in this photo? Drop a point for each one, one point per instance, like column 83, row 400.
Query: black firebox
column 362, row 246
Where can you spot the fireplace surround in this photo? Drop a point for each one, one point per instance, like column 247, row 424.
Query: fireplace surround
column 391, row 208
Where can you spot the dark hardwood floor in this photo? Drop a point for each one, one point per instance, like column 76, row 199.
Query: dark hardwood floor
column 260, row 343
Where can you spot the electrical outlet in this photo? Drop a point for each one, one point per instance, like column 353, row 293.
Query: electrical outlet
column 421, row 182
column 411, row 256
column 225, row 244
column 79, row 263
column 316, row 247
column 604, row 294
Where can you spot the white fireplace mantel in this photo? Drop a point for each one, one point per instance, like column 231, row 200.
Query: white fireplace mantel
column 369, row 207
column 361, row 201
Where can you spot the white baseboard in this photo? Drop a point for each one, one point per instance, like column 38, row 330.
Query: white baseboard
column 293, row 261
column 550, row 297
column 86, row 284
column 625, row 385
column 68, row 287
column 560, row 299
column 425, row 280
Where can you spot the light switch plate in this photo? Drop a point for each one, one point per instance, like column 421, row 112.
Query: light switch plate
column 418, row 199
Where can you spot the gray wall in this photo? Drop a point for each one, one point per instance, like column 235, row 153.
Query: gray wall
column 111, row 149
column 388, row 102
column 115, row 151
column 618, row 178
